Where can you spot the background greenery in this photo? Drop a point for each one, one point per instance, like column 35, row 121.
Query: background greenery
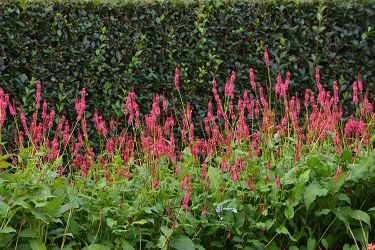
column 111, row 48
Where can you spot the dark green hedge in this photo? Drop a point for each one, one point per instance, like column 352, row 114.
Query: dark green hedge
column 109, row 48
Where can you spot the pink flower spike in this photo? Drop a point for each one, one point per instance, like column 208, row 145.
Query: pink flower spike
column 185, row 201
column 176, row 79
column 266, row 58
column 335, row 92
column 252, row 80
column 277, row 182
column 359, row 82
column 355, row 93
column 204, row 211
column 156, row 183
column 250, row 184
column 317, row 76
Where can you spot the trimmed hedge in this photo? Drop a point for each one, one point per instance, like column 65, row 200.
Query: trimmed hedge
column 113, row 48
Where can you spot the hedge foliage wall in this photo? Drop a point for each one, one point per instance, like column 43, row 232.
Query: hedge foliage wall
column 110, row 49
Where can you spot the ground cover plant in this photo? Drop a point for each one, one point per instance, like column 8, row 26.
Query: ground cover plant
column 272, row 170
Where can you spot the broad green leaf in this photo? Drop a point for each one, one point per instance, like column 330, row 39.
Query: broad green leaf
column 5, row 164
column 361, row 170
column 344, row 197
column 215, row 176
column 111, row 222
column 311, row 243
column 305, row 176
column 97, row 247
column 182, row 243
column 64, row 208
column 53, row 207
column 346, row 247
column 361, row 234
column 312, row 191
column 37, row 245
column 3, row 209
column 40, row 215
column 166, row 231
column 289, row 211
column 126, row 245
column 325, row 243
column 343, row 213
column 199, row 247
column 313, row 162
column 28, row 233
column 346, row 155
column 362, row 216
column 324, row 211
column 7, row 230
column 162, row 242
column 142, row 222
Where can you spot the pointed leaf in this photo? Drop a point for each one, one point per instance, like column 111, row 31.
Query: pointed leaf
column 97, row 247
column 362, row 216
column 7, row 230
column 37, row 245
column 182, row 243
column 5, row 164
column 28, row 233
column 53, row 207
column 312, row 191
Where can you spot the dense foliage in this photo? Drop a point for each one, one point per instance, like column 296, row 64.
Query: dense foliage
column 271, row 172
column 108, row 48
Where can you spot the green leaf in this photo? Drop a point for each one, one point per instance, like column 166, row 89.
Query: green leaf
column 53, row 207
column 344, row 197
column 284, row 230
column 362, row 216
column 166, row 231
column 305, row 176
column 28, row 233
column 361, row 170
column 126, row 245
column 360, row 234
column 313, row 162
column 324, row 211
column 215, row 176
column 5, row 157
column 325, row 243
column 37, row 245
column 182, row 243
column 97, row 247
column 346, row 155
column 140, row 222
column 111, row 222
column 311, row 243
column 343, row 214
column 312, row 191
column 7, row 230
column 289, row 211
column 5, row 164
